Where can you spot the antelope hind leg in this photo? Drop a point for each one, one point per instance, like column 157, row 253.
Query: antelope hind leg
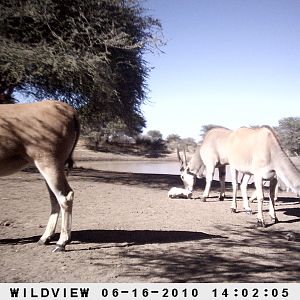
column 58, row 184
column 222, row 175
column 273, row 194
column 50, row 229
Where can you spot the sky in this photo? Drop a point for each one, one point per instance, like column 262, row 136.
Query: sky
column 227, row 62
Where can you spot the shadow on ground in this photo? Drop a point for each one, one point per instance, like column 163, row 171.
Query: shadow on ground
column 132, row 237
column 238, row 254
column 157, row 181
column 239, row 259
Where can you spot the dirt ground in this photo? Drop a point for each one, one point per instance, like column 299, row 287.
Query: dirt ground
column 125, row 229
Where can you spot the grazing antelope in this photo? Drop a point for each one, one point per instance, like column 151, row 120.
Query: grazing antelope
column 251, row 151
column 44, row 134
column 208, row 156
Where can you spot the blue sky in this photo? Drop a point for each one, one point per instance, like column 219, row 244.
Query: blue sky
column 227, row 62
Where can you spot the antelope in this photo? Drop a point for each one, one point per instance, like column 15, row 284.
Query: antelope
column 251, row 151
column 207, row 157
column 44, row 134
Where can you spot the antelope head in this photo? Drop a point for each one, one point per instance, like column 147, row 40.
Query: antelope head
column 186, row 176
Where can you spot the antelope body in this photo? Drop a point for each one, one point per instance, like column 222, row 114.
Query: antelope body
column 44, row 134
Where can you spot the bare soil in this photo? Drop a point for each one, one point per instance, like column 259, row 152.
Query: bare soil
column 125, row 229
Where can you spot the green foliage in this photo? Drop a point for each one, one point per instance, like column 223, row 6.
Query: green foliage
column 173, row 138
column 289, row 134
column 155, row 135
column 174, row 141
column 189, row 142
column 85, row 52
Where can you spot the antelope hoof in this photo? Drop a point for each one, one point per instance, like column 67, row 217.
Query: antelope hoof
column 203, row 199
column 41, row 242
column 221, row 198
column 233, row 210
column 59, row 248
column 249, row 211
column 261, row 223
column 44, row 242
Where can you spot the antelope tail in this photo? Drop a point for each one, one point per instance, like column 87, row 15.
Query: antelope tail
column 70, row 161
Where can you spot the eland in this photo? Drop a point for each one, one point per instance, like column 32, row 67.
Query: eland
column 43, row 134
column 251, row 151
column 208, row 156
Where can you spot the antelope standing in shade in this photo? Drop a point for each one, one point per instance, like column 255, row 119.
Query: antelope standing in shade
column 251, row 151
column 45, row 134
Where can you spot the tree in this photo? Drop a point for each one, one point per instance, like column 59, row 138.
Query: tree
column 289, row 134
column 155, row 135
column 88, row 53
column 173, row 138
column 189, row 142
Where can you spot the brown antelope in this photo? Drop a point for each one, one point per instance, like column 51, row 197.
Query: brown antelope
column 251, row 151
column 44, row 134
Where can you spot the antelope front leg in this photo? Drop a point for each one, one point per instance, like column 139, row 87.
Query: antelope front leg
column 260, row 200
column 234, row 190
column 244, row 184
column 209, row 178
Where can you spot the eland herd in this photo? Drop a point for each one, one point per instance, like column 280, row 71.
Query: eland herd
column 251, row 151
column 46, row 133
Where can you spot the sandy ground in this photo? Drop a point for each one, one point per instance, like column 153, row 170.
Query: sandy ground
column 125, row 229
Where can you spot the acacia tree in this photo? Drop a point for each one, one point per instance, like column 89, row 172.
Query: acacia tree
column 88, row 53
column 289, row 134
column 155, row 135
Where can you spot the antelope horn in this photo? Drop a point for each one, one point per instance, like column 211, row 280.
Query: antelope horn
column 178, row 155
column 184, row 153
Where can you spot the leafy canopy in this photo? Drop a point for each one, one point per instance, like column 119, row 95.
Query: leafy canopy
column 88, row 53
column 289, row 134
